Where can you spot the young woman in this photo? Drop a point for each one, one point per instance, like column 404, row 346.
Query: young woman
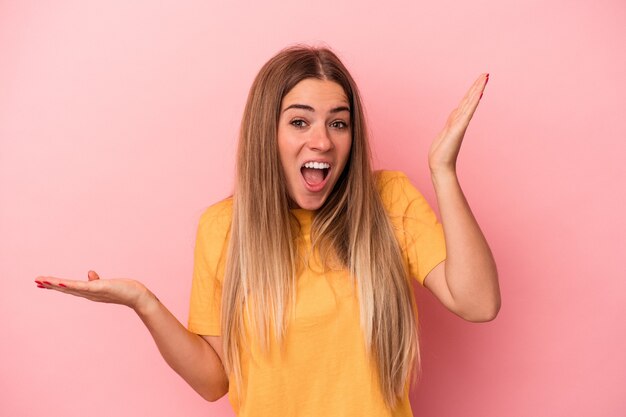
column 301, row 301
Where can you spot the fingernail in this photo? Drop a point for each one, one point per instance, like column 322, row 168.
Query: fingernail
column 40, row 286
column 46, row 282
column 63, row 285
column 38, row 282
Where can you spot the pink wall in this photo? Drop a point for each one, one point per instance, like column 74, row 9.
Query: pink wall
column 118, row 125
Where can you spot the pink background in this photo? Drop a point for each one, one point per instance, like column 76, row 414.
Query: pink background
column 118, row 126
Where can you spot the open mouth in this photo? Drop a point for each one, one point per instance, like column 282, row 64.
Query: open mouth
column 315, row 173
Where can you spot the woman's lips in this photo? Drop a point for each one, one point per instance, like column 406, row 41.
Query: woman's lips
column 317, row 186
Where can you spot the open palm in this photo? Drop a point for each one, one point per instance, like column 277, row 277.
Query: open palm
column 117, row 291
column 445, row 148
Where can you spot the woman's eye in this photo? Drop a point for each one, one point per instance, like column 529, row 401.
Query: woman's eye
column 339, row 124
column 298, row 123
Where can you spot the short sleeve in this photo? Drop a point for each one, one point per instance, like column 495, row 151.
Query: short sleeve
column 419, row 233
column 208, row 269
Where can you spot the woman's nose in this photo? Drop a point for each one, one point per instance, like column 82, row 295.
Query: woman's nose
column 320, row 140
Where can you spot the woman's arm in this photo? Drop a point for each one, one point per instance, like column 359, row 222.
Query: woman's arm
column 189, row 354
column 467, row 282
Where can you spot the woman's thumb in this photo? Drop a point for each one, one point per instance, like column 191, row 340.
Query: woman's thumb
column 92, row 276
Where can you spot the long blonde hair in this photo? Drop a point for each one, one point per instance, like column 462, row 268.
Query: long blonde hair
column 260, row 275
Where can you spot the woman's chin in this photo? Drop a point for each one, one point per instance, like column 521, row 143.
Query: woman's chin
column 311, row 203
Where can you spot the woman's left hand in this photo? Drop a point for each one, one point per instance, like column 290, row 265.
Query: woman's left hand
column 445, row 148
column 467, row 281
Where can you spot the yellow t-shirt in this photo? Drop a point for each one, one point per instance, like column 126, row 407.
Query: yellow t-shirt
column 323, row 369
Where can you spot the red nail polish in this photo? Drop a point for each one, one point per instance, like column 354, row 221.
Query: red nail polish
column 40, row 286
column 38, row 282
column 63, row 285
column 46, row 282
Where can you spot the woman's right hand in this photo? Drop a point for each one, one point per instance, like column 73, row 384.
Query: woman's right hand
column 190, row 355
column 123, row 291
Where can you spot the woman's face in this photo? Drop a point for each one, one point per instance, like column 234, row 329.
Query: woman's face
column 314, row 140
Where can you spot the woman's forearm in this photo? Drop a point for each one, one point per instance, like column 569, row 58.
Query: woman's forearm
column 188, row 354
column 470, row 269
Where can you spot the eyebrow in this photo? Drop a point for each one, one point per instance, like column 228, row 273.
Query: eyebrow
column 309, row 108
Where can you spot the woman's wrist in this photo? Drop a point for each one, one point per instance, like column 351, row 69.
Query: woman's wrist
column 443, row 176
column 145, row 303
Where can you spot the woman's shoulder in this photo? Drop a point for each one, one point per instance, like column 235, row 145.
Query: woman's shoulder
column 386, row 179
column 218, row 215
column 396, row 190
column 391, row 182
